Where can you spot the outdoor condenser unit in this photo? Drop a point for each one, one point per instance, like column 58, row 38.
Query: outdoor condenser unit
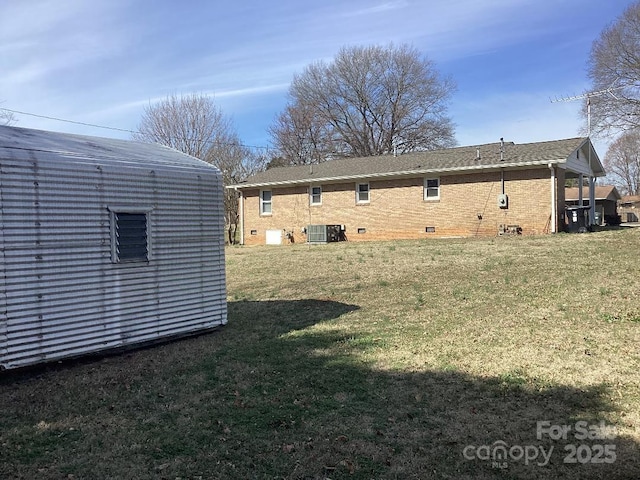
column 323, row 233
column 317, row 234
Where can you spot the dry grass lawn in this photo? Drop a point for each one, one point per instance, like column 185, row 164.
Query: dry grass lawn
column 363, row 361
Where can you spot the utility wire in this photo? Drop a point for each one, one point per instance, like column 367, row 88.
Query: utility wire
column 57, row 119
column 67, row 121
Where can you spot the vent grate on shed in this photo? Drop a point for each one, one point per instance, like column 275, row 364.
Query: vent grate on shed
column 131, row 237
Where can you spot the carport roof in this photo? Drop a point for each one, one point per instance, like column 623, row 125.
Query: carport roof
column 602, row 192
column 458, row 159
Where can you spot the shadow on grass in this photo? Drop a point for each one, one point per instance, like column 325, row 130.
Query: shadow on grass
column 279, row 316
column 286, row 390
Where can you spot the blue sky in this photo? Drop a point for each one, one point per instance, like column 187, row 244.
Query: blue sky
column 103, row 61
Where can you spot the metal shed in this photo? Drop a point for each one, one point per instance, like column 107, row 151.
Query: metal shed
column 105, row 243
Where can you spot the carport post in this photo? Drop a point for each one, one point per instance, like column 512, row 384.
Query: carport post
column 580, row 185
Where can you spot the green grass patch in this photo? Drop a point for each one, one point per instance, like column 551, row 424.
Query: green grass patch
column 387, row 370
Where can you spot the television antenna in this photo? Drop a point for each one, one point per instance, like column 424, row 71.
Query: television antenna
column 587, row 96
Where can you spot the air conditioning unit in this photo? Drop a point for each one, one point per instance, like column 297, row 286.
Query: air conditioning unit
column 324, row 233
column 333, row 233
column 317, row 234
column 503, row 200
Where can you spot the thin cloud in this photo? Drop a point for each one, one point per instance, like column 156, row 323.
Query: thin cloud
column 244, row 92
column 380, row 8
column 140, row 103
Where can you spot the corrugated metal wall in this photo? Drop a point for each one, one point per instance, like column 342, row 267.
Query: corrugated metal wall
column 60, row 293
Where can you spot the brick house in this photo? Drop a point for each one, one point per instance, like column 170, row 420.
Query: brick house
column 629, row 208
column 606, row 200
column 464, row 191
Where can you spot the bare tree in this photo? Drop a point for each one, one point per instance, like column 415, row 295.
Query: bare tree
column 614, row 65
column 622, row 162
column 190, row 123
column 7, row 117
column 367, row 101
column 194, row 125
column 236, row 162
column 301, row 137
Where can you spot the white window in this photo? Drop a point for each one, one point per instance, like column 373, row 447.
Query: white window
column 315, row 195
column 265, row 202
column 431, row 188
column 362, row 193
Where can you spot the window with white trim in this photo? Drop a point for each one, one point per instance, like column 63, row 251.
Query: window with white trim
column 362, row 193
column 130, row 235
column 265, row 202
column 315, row 195
column 431, row 188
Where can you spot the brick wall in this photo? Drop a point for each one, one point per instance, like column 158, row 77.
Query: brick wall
column 467, row 207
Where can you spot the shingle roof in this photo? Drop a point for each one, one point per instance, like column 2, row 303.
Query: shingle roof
column 602, row 192
column 447, row 160
column 630, row 199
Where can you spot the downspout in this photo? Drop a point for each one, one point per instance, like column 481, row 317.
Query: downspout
column 241, row 215
column 309, row 192
column 554, row 209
